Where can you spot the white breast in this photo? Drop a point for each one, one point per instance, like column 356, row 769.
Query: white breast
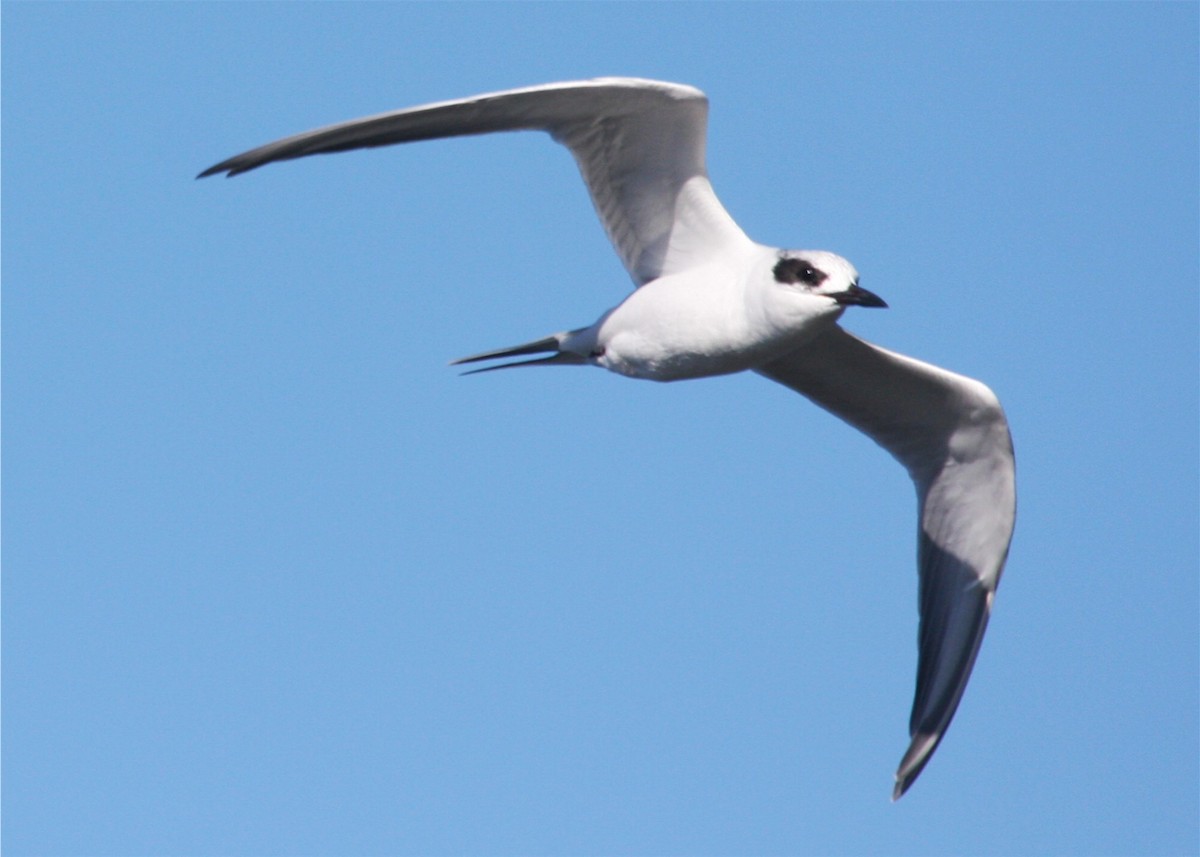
column 693, row 324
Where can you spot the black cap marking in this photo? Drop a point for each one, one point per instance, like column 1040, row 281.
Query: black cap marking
column 791, row 269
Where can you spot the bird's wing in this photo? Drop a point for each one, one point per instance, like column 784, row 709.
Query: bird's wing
column 950, row 433
column 639, row 144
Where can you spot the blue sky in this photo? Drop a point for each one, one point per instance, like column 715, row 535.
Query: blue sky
column 278, row 581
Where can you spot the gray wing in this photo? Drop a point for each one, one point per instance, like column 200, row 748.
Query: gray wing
column 639, row 144
column 950, row 433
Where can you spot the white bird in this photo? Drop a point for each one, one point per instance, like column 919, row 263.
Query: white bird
column 710, row 301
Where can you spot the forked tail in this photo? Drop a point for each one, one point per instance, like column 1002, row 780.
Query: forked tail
column 552, row 344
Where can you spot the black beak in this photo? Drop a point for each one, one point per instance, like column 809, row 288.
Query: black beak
column 858, row 297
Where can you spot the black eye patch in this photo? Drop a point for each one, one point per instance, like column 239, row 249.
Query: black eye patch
column 789, row 269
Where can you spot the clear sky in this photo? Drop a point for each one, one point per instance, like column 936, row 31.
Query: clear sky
column 278, row 581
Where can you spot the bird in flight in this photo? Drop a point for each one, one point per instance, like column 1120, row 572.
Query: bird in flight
column 709, row 301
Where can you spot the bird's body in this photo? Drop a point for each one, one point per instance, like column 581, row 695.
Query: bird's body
column 710, row 302
column 715, row 319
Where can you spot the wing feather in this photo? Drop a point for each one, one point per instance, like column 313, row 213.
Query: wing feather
column 951, row 435
column 639, row 144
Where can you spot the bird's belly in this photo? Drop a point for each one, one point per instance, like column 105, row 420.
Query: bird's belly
column 666, row 360
column 692, row 326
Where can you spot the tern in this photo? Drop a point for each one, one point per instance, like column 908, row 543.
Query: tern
column 709, row 301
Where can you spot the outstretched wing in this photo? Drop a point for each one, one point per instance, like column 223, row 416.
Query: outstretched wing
column 950, row 433
column 639, row 144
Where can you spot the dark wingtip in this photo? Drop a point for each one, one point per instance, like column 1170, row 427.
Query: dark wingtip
column 223, row 167
column 919, row 753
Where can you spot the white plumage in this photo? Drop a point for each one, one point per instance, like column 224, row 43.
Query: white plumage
column 711, row 301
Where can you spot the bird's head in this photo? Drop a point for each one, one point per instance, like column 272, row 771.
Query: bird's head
column 812, row 283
